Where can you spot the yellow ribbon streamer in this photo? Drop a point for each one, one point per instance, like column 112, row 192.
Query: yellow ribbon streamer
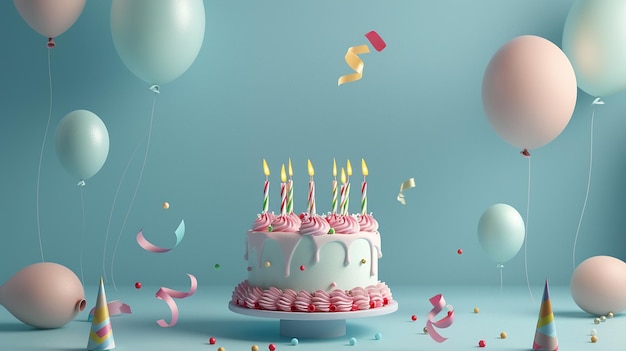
column 353, row 60
column 408, row 184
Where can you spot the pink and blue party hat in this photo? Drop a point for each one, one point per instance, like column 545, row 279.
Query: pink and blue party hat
column 545, row 336
column 101, row 335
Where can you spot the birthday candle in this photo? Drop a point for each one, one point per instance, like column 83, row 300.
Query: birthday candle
column 283, row 191
column 334, row 185
column 266, row 188
column 343, row 190
column 290, row 190
column 311, row 198
column 349, row 172
column 364, row 187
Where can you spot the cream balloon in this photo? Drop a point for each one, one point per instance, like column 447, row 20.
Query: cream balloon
column 598, row 285
column 43, row 295
column 529, row 92
column 50, row 18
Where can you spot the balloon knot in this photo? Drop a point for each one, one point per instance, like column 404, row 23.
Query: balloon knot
column 155, row 89
column 597, row 101
column 525, row 153
column 500, row 265
column 51, row 43
column 81, row 183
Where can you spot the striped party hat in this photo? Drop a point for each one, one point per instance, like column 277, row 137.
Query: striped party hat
column 545, row 336
column 101, row 335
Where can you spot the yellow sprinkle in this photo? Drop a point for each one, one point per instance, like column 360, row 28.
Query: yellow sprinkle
column 267, row 264
column 476, row 310
column 221, row 349
column 363, row 261
column 594, row 339
column 503, row 335
column 166, row 205
column 254, row 348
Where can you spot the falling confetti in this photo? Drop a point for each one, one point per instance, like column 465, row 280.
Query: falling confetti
column 355, row 62
column 438, row 303
column 168, row 295
column 146, row 245
column 377, row 42
column 407, row 184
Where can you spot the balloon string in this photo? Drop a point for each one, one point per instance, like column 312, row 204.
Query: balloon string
column 500, row 266
column 82, row 237
column 143, row 165
column 582, row 212
column 43, row 145
column 526, row 236
column 117, row 192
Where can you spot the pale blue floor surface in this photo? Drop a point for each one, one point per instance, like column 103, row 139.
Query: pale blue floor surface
column 206, row 314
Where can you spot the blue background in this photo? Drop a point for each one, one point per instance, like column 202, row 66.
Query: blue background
column 264, row 86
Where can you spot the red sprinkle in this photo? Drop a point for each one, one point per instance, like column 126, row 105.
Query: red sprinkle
column 459, row 251
column 138, row 285
column 333, row 308
column 212, row 340
column 302, row 268
column 482, row 343
column 414, row 318
column 385, row 301
column 272, row 347
column 311, row 308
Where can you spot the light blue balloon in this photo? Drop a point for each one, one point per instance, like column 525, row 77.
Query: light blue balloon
column 157, row 40
column 82, row 143
column 501, row 232
column 594, row 39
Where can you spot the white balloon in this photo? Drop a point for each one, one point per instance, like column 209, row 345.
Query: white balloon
column 501, row 232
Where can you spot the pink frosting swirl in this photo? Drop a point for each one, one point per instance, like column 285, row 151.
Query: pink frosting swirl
column 270, row 297
column 385, row 292
column 376, row 298
column 252, row 300
column 285, row 301
column 240, row 293
column 303, row 301
column 286, row 224
column 313, row 225
column 321, row 300
column 361, row 299
column 341, row 300
column 262, row 222
column 343, row 224
column 367, row 223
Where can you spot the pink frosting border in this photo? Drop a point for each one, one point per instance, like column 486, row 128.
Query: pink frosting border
column 274, row 299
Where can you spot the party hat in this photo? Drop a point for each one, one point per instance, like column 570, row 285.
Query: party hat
column 545, row 336
column 101, row 335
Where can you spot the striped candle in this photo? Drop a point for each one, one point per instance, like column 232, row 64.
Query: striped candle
column 347, row 202
column 266, row 188
column 334, row 185
column 290, row 190
column 343, row 200
column 311, row 198
column 283, row 191
column 365, row 172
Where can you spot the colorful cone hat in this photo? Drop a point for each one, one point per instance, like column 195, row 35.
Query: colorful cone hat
column 545, row 336
column 101, row 335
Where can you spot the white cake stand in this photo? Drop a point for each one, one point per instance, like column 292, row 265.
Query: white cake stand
column 314, row 324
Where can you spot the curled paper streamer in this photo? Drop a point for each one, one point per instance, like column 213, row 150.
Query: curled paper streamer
column 407, row 184
column 168, row 295
column 355, row 62
column 116, row 307
column 438, row 303
column 377, row 42
column 146, row 245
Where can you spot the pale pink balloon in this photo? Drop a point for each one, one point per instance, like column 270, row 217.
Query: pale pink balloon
column 50, row 18
column 598, row 285
column 529, row 92
column 43, row 295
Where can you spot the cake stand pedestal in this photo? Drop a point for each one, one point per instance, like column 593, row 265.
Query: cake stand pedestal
column 314, row 324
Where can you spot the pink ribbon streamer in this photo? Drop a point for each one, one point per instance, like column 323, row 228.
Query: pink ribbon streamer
column 439, row 303
column 377, row 42
column 115, row 307
column 168, row 295
column 148, row 246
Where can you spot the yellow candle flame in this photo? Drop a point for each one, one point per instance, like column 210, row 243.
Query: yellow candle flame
column 311, row 170
column 349, row 168
column 283, row 176
column 334, row 168
column 364, row 168
column 266, row 169
column 343, row 176
column 290, row 169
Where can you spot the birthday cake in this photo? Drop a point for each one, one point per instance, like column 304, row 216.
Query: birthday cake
column 310, row 262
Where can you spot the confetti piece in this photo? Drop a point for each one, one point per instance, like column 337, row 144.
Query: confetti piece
column 168, row 295
column 377, row 42
column 355, row 62
column 146, row 245
column 116, row 307
column 438, row 303
column 407, row 184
